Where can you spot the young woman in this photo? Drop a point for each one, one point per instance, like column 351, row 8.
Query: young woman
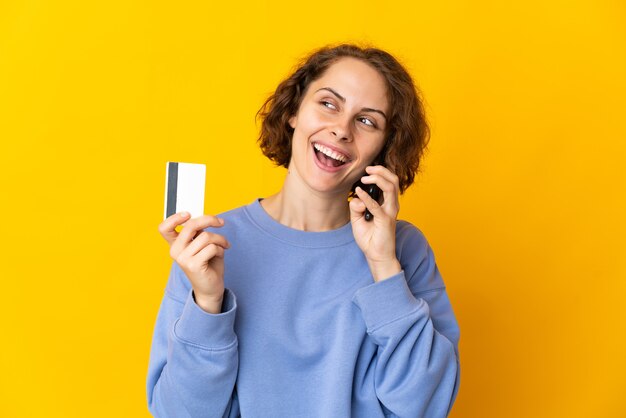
column 295, row 305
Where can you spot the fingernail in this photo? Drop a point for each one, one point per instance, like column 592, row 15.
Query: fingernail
column 184, row 214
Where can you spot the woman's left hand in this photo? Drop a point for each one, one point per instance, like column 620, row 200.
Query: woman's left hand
column 377, row 238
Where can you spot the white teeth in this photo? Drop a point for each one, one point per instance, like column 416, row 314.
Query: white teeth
column 330, row 153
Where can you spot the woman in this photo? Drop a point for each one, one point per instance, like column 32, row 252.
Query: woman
column 296, row 305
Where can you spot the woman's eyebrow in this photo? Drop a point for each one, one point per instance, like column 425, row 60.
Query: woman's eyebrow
column 339, row 96
column 343, row 99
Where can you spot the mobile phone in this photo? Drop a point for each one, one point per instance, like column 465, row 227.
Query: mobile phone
column 375, row 192
column 372, row 190
column 184, row 188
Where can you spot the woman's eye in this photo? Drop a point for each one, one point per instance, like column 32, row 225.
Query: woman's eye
column 367, row 121
column 328, row 104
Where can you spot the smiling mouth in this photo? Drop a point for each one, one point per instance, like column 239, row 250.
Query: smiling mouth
column 328, row 157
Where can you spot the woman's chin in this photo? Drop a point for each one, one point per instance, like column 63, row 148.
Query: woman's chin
column 331, row 190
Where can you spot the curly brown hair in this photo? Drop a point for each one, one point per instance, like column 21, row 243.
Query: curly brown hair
column 407, row 133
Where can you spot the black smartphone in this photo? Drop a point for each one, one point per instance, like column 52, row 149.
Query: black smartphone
column 371, row 189
column 375, row 192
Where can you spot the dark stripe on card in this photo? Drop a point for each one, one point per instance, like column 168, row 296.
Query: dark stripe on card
column 172, row 186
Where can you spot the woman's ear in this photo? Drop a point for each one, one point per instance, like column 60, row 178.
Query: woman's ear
column 292, row 121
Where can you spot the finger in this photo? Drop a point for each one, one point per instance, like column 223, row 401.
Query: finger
column 384, row 172
column 388, row 175
column 370, row 203
column 194, row 225
column 202, row 240
column 211, row 251
column 191, row 229
column 167, row 228
column 384, row 184
column 390, row 192
column 214, row 238
column 196, row 262
column 357, row 208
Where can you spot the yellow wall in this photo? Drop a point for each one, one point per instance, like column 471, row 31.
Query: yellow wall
column 522, row 197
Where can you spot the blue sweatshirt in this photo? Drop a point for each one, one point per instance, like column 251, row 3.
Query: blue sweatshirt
column 305, row 331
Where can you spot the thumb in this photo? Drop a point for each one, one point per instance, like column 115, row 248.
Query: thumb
column 357, row 209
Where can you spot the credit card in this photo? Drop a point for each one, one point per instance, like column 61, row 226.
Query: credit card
column 184, row 188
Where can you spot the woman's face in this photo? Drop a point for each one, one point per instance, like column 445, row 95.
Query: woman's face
column 340, row 126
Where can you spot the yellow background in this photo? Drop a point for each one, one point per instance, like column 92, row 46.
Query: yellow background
column 522, row 195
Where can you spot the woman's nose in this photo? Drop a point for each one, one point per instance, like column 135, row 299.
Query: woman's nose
column 341, row 129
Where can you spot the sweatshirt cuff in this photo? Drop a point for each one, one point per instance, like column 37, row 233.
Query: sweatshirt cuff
column 386, row 301
column 210, row 331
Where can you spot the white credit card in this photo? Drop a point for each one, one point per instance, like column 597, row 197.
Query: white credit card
column 184, row 188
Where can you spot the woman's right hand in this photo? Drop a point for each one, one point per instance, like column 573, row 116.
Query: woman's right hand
column 200, row 254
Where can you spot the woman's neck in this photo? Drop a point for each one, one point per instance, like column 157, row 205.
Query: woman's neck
column 298, row 207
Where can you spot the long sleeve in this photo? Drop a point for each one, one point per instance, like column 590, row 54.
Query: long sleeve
column 194, row 356
column 410, row 319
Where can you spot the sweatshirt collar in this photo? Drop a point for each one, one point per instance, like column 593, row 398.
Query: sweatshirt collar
column 333, row 238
